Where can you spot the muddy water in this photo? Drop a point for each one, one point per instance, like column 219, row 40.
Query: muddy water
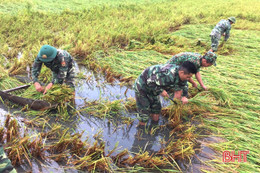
column 113, row 132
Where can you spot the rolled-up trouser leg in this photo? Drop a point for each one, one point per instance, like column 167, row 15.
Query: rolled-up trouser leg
column 155, row 106
column 146, row 104
column 143, row 106
column 214, row 43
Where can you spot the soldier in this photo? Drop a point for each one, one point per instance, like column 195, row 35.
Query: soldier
column 198, row 60
column 156, row 80
column 222, row 28
column 5, row 163
column 59, row 61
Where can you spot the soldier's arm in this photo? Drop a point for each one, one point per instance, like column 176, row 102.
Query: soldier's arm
column 227, row 33
column 193, row 82
column 179, row 93
column 199, row 79
column 36, row 69
column 164, row 94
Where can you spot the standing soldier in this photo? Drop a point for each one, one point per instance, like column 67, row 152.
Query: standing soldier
column 222, row 28
column 59, row 61
column 198, row 60
column 156, row 80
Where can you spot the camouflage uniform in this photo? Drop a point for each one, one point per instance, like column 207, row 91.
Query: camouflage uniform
column 194, row 58
column 150, row 84
column 222, row 27
column 5, row 163
column 62, row 67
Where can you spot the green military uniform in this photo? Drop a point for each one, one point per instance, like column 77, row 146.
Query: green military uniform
column 222, row 27
column 62, row 67
column 5, row 163
column 194, row 58
column 150, row 84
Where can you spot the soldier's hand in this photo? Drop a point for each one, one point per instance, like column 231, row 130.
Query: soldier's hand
column 204, row 87
column 164, row 94
column 195, row 85
column 38, row 87
column 141, row 123
column 47, row 88
column 184, row 100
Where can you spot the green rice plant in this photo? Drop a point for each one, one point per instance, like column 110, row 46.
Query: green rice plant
column 8, row 83
column 103, row 109
column 140, row 28
column 62, row 96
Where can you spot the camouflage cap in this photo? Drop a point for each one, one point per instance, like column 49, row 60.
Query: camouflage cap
column 47, row 53
column 211, row 57
column 232, row 19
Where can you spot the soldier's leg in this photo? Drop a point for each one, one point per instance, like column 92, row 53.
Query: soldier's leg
column 214, row 43
column 156, row 107
column 143, row 106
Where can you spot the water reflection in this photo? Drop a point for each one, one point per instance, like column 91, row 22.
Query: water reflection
column 111, row 131
column 150, row 138
column 94, row 87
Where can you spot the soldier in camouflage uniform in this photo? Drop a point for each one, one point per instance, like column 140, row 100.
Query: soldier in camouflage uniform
column 5, row 163
column 222, row 28
column 156, row 80
column 59, row 61
column 198, row 60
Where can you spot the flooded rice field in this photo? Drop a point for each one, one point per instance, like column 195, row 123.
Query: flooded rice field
column 113, row 132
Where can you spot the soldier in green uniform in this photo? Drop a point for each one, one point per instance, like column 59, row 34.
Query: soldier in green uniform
column 59, row 61
column 5, row 163
column 222, row 28
column 206, row 60
column 156, row 80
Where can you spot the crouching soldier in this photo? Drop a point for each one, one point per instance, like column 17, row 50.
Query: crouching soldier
column 156, row 80
column 61, row 64
column 206, row 60
column 222, row 28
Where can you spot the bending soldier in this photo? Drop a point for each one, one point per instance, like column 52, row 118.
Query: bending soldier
column 156, row 80
column 199, row 61
column 59, row 61
column 222, row 28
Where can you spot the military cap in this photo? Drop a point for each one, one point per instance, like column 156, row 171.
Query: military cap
column 232, row 19
column 47, row 53
column 211, row 57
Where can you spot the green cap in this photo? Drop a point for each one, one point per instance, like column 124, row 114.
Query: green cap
column 211, row 57
column 232, row 19
column 47, row 53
